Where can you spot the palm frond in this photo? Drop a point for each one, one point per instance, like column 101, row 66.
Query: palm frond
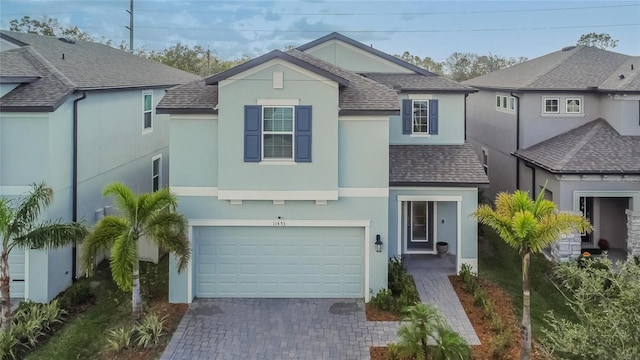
column 124, row 253
column 51, row 234
column 124, row 199
column 102, row 237
column 169, row 231
column 160, row 200
column 30, row 206
column 6, row 216
column 550, row 227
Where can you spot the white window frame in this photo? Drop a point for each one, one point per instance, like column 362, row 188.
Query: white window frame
column 413, row 119
column 505, row 103
column 159, row 174
column 498, row 101
column 484, row 159
column 580, row 102
column 512, row 103
column 145, row 93
column 544, row 105
column 292, row 132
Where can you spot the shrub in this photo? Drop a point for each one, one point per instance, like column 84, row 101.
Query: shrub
column 78, row 294
column 149, row 330
column 500, row 345
column 393, row 352
column 119, row 339
column 402, row 291
column 9, row 344
column 397, row 275
column 450, row 345
column 383, row 300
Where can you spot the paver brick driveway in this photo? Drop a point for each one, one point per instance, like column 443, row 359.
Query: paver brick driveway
column 277, row 329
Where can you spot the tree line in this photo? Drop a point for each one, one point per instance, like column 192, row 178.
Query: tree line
column 458, row 66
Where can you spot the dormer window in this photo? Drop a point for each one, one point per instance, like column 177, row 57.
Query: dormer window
column 420, row 117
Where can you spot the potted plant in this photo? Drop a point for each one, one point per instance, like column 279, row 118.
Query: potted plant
column 443, row 248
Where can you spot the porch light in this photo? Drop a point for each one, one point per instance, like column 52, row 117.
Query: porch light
column 378, row 244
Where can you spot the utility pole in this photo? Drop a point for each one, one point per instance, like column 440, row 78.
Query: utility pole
column 130, row 27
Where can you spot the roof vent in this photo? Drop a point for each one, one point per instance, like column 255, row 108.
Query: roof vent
column 567, row 48
column 65, row 40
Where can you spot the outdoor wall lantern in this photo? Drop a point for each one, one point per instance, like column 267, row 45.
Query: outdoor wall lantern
column 378, row 244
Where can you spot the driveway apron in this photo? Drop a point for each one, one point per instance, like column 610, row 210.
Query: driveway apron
column 277, row 329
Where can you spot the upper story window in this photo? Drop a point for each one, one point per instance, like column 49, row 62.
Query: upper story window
column 512, row 103
column 505, row 103
column 485, row 160
column 156, row 168
column 147, row 117
column 551, row 105
column 574, row 105
column 277, row 134
column 420, row 116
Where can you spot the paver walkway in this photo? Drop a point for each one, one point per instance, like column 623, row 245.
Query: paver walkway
column 430, row 274
column 277, row 329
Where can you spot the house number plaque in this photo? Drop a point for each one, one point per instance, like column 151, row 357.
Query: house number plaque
column 279, row 223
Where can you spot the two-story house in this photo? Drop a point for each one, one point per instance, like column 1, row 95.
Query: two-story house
column 570, row 120
column 302, row 172
column 77, row 116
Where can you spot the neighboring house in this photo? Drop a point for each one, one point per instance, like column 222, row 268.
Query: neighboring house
column 47, row 86
column 292, row 166
column 570, row 120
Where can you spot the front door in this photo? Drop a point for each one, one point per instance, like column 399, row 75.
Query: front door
column 419, row 225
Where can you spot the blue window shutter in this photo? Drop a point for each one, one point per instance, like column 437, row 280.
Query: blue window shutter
column 252, row 133
column 407, row 116
column 303, row 134
column 433, row 117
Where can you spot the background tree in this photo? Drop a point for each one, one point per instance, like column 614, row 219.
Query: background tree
column 426, row 62
column 529, row 226
column 601, row 299
column 49, row 27
column 152, row 216
column 463, row 66
column 18, row 229
column 601, row 41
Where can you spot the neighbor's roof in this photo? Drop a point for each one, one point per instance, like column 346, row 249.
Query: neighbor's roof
column 594, row 148
column 575, row 68
column 427, row 165
column 81, row 66
column 419, row 82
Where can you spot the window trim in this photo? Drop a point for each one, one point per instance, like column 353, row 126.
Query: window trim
column 159, row 175
column 145, row 93
column 427, row 132
column 544, row 105
column 292, row 132
column 505, row 103
column 581, row 105
column 484, row 155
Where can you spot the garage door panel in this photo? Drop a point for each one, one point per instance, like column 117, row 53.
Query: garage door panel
column 279, row 262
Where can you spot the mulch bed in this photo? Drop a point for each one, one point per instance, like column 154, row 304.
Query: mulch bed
column 374, row 314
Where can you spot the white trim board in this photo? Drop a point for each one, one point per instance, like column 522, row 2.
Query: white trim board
column 279, row 195
column 366, row 224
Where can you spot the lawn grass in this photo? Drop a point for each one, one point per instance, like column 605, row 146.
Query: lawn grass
column 84, row 337
column 503, row 265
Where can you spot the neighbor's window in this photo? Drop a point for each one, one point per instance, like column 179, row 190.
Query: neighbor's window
column 147, row 111
column 420, row 116
column 551, row 105
column 504, row 102
column 512, row 103
column 574, row 105
column 156, row 167
column 498, row 100
column 277, row 134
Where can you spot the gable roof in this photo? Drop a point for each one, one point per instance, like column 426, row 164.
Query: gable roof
column 80, row 66
column 575, row 68
column 594, row 148
column 419, row 82
column 357, row 95
column 369, row 49
column 426, row 165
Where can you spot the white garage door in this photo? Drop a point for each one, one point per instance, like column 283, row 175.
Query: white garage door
column 16, row 273
column 279, row 262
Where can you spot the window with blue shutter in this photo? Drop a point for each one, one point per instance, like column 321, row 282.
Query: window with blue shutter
column 303, row 134
column 252, row 133
column 420, row 116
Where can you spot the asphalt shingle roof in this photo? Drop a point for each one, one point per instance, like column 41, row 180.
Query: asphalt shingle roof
column 418, row 82
column 415, row 165
column 573, row 68
column 592, row 148
column 195, row 97
column 13, row 63
column 79, row 65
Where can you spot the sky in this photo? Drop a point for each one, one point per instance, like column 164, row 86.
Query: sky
column 231, row 29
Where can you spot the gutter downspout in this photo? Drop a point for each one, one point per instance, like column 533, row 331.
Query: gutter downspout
column 533, row 179
column 465, row 116
column 517, row 140
column 74, row 183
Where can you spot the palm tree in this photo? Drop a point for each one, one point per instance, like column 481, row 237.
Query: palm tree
column 18, row 229
column 149, row 215
column 528, row 226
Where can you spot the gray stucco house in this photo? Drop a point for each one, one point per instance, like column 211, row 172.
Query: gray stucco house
column 302, row 172
column 76, row 115
column 571, row 120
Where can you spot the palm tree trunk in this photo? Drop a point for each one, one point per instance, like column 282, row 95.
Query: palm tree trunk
column 136, row 303
column 5, row 319
column 525, row 353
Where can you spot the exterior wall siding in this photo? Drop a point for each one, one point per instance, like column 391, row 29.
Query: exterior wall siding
column 353, row 59
column 622, row 113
